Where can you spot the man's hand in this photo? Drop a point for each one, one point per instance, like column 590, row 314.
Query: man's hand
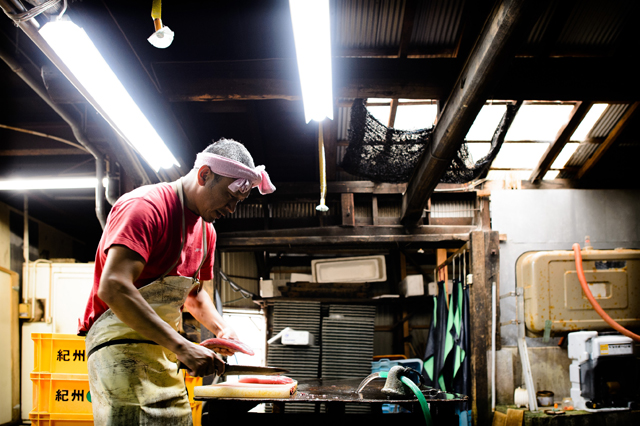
column 201, row 361
column 226, row 333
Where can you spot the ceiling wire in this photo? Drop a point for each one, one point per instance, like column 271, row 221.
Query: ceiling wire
column 153, row 80
column 44, row 135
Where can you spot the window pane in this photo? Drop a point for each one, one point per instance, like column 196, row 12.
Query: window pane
column 551, row 174
column 516, row 155
column 381, row 113
column 538, row 122
column 588, row 121
column 486, row 122
column 509, row 174
column 564, row 155
column 478, row 150
column 413, row 117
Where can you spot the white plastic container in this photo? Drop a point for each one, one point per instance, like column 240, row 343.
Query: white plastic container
column 363, row 269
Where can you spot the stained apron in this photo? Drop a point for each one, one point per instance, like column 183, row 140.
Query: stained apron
column 133, row 380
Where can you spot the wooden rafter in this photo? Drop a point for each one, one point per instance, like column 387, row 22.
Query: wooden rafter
column 407, row 27
column 575, row 118
column 493, row 49
column 553, row 79
column 393, row 112
column 608, row 142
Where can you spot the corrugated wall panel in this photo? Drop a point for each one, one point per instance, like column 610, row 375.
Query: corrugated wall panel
column 452, row 208
column 239, row 264
column 246, row 210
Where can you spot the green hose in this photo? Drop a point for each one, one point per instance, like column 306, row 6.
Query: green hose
column 416, row 390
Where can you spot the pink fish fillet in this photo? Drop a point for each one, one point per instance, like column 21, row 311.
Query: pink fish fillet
column 269, row 380
column 234, row 345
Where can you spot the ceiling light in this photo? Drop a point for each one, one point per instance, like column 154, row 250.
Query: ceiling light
column 49, row 183
column 312, row 37
column 80, row 56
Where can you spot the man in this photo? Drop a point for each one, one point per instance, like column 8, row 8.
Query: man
column 156, row 247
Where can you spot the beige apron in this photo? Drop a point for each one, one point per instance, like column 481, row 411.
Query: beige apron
column 133, row 380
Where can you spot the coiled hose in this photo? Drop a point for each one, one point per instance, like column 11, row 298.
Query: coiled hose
column 593, row 301
column 416, row 390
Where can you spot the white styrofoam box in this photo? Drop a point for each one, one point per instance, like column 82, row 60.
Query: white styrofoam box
column 349, row 269
column 412, row 285
column 301, row 278
column 269, row 288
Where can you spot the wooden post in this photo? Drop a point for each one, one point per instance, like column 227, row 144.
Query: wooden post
column 405, row 320
column 485, row 268
column 348, row 210
column 374, row 210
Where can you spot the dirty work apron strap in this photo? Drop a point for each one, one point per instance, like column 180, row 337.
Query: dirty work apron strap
column 118, row 342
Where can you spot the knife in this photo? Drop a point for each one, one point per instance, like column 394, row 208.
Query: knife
column 231, row 369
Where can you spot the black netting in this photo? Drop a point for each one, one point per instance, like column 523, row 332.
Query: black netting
column 384, row 154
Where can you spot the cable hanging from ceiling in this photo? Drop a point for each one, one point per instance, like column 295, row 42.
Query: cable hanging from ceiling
column 37, row 10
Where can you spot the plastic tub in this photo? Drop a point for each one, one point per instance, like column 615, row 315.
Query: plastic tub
column 59, row 353
column 57, row 393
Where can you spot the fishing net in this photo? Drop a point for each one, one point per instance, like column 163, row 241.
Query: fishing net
column 383, row 154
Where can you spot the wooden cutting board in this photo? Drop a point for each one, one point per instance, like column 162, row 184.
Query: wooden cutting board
column 246, row 390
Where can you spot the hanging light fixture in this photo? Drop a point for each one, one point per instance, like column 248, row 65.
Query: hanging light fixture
column 50, row 183
column 163, row 36
column 105, row 91
column 312, row 36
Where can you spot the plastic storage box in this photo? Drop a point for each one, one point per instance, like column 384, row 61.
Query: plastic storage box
column 59, row 353
column 46, row 419
column 59, row 393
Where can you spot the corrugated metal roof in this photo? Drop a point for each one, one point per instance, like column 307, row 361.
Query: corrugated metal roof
column 239, row 264
column 600, row 130
column 541, row 26
column 607, row 121
column 437, row 23
column 367, row 23
column 582, row 154
column 344, row 119
column 595, row 23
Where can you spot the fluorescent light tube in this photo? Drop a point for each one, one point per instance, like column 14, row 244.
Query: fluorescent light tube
column 312, row 37
column 49, row 183
column 79, row 54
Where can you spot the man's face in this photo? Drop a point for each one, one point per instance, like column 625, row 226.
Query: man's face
column 217, row 200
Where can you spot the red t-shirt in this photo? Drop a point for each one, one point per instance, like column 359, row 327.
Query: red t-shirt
column 148, row 220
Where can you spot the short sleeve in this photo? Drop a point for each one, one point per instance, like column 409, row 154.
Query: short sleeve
column 135, row 224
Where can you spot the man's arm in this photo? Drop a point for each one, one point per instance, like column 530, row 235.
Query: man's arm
column 201, row 306
column 122, row 267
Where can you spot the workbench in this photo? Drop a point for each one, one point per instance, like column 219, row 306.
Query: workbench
column 577, row 417
column 330, row 397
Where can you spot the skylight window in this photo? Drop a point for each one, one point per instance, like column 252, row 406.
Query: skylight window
column 486, row 122
column 588, row 122
column 538, row 122
column 411, row 114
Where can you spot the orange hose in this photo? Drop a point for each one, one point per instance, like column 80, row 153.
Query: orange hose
column 593, row 301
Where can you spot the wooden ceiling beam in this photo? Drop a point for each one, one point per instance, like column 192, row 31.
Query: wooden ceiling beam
column 492, row 51
column 552, row 79
column 609, row 141
column 575, row 118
